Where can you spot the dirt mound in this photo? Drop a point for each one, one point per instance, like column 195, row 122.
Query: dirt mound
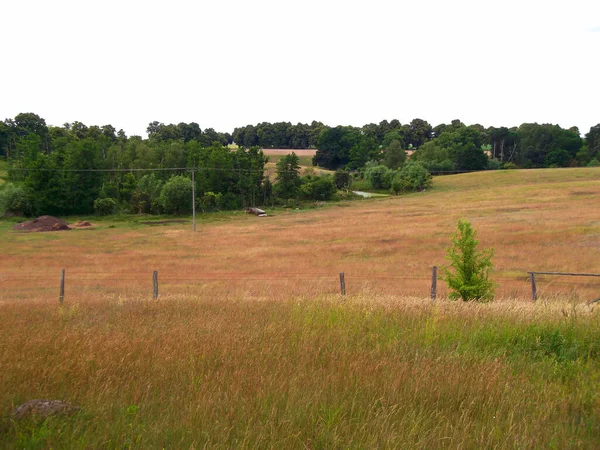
column 43, row 223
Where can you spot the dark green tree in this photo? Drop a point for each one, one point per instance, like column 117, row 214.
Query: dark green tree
column 394, row 155
column 288, row 178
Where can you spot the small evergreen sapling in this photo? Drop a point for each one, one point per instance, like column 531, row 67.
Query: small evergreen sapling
column 468, row 274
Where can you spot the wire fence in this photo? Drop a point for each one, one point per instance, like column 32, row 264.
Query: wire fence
column 78, row 283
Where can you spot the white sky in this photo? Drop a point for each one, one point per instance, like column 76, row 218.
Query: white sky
column 227, row 63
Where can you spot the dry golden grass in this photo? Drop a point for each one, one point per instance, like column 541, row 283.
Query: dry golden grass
column 365, row 372
column 249, row 345
column 544, row 220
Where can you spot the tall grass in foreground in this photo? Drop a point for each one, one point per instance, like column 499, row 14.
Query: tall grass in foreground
column 379, row 372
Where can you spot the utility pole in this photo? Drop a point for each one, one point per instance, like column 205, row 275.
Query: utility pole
column 193, row 202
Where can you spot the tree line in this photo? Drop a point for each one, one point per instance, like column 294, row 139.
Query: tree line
column 79, row 169
column 76, row 169
column 458, row 147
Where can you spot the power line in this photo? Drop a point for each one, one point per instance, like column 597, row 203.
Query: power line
column 151, row 169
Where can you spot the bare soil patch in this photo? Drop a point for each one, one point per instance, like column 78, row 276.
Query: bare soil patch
column 164, row 222
column 43, row 223
column 82, row 224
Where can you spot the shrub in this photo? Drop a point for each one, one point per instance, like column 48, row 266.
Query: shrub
column 211, row 202
column 469, row 279
column 105, row 206
column 318, row 188
column 494, row 164
column 342, row 179
column 176, row 195
column 146, row 196
column 594, row 163
column 379, row 177
column 509, row 166
column 412, row 177
column 15, row 200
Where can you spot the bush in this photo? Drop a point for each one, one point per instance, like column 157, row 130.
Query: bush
column 594, row 163
column 469, row 279
column 379, row 177
column 557, row 158
column 15, row 200
column 509, row 166
column 146, row 196
column 176, row 195
column 211, row 202
column 342, row 179
column 494, row 164
column 318, row 188
column 412, row 177
column 105, row 206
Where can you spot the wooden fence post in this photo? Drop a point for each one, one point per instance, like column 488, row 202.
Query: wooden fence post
column 533, row 287
column 61, row 295
column 155, row 284
column 342, row 283
column 434, row 283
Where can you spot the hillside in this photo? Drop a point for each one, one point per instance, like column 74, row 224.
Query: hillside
column 249, row 344
column 538, row 220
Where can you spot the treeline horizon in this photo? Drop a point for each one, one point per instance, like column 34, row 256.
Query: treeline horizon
column 59, row 169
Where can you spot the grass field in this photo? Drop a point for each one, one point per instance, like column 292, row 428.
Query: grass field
column 250, row 345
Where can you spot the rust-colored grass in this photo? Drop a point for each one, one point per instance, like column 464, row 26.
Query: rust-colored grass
column 543, row 220
column 251, row 346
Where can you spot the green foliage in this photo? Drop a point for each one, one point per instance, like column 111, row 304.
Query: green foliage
column 468, row 275
column 494, row 164
column 14, row 200
column 342, row 179
column 211, row 202
column 105, row 206
column 509, row 166
column 538, row 142
column 288, row 178
column 334, row 146
column 379, row 176
column 176, row 195
column 146, row 196
column 594, row 163
column 412, row 177
column 394, row 155
column 318, row 188
column 557, row 158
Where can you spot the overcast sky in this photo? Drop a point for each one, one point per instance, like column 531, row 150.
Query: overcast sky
column 228, row 63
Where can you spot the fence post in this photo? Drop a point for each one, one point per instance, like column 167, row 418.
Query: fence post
column 533, row 287
column 61, row 295
column 434, row 283
column 155, row 284
column 342, row 283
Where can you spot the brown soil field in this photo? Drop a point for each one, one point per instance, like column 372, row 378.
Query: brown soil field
column 542, row 220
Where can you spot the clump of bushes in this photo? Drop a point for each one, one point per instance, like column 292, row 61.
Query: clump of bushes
column 412, row 176
column 14, row 200
column 105, row 206
column 176, row 195
column 318, row 188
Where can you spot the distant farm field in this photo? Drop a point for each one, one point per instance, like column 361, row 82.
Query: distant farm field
column 539, row 220
column 250, row 345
